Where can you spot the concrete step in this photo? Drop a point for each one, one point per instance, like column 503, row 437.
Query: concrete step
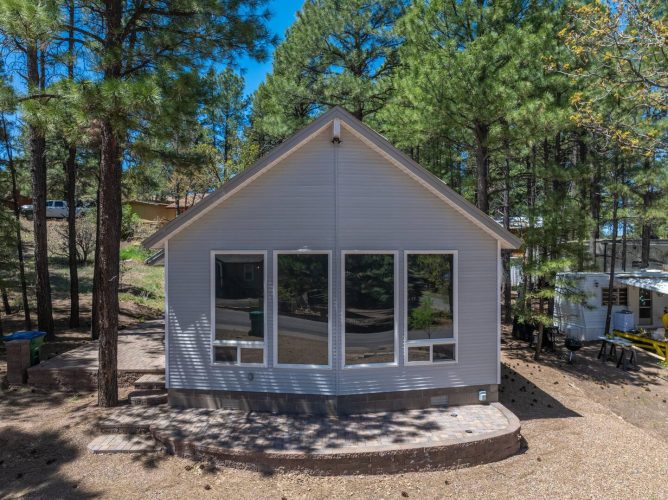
column 148, row 398
column 150, row 381
column 119, row 443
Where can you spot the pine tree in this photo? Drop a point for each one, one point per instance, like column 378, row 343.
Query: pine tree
column 336, row 53
column 30, row 26
column 127, row 42
column 226, row 112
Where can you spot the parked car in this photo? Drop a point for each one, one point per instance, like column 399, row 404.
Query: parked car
column 55, row 209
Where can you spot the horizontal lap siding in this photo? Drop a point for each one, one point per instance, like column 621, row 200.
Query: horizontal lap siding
column 381, row 208
column 289, row 207
column 293, row 206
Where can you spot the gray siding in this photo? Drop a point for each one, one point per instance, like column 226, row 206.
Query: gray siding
column 327, row 197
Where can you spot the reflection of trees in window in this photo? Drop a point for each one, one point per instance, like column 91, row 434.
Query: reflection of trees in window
column 369, row 290
column 303, row 285
column 369, row 309
column 302, row 321
column 430, row 296
column 239, row 312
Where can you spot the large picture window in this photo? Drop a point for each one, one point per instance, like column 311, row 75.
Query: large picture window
column 430, row 307
column 302, row 309
column 369, row 308
column 239, row 308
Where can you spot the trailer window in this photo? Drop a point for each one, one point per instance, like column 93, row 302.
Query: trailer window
column 619, row 296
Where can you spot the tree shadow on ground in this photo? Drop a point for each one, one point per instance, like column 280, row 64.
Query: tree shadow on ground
column 526, row 400
column 30, row 464
column 587, row 365
column 19, row 400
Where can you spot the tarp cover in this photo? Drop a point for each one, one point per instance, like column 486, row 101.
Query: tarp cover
column 23, row 335
column 658, row 284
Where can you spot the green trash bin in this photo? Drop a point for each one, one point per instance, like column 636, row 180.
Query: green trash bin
column 257, row 323
column 36, row 339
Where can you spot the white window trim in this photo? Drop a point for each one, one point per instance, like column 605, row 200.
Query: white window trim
column 276, row 364
column 455, row 303
column 395, row 254
column 237, row 343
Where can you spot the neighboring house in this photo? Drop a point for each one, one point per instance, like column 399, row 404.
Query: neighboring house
column 153, row 211
column 333, row 276
column 186, row 202
column 22, row 200
column 582, row 314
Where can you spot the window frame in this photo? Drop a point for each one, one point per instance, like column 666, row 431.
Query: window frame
column 455, row 320
column 342, row 291
column 239, row 344
column 330, row 309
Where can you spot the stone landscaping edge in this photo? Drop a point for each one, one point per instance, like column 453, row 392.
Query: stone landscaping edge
column 447, row 454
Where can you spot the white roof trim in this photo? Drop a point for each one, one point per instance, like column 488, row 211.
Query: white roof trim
column 369, row 137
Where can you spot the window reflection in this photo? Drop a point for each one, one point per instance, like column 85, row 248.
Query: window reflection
column 369, row 308
column 303, row 309
column 430, row 296
column 240, row 297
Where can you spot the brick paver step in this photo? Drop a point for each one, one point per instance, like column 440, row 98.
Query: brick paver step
column 148, row 397
column 150, row 381
column 118, row 443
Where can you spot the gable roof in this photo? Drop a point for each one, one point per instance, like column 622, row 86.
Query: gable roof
column 369, row 137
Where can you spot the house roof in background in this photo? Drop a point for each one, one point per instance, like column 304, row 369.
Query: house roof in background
column 152, row 203
column 188, row 201
column 368, row 136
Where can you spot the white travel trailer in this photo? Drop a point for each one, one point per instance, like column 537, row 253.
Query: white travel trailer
column 643, row 293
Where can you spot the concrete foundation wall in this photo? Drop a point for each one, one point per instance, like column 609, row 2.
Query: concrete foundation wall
column 331, row 405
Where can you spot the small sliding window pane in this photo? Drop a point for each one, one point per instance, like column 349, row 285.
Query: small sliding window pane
column 252, row 356
column 420, row 353
column 369, row 308
column 225, row 354
column 303, row 309
column 239, row 290
column 430, row 296
column 444, row 352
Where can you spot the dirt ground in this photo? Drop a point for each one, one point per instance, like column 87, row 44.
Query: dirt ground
column 590, row 430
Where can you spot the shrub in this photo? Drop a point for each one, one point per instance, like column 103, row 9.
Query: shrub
column 129, row 222
column 134, row 252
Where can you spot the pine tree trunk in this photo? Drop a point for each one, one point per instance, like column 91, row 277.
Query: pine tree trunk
column 27, row 322
column 481, row 133
column 70, row 189
column 613, row 259
column 595, row 209
column 37, row 145
column 108, row 265
column 109, row 211
column 541, row 328
column 5, row 301
column 94, row 332
column 505, row 254
column 624, row 241
column 646, row 233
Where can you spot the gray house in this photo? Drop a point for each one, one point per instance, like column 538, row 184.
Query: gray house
column 334, row 275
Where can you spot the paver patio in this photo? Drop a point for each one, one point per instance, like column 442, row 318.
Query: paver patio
column 141, row 349
column 370, row 440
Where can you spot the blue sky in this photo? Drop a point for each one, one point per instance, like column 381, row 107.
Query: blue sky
column 283, row 15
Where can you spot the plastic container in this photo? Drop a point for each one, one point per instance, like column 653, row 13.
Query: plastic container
column 624, row 321
column 36, row 339
column 257, row 323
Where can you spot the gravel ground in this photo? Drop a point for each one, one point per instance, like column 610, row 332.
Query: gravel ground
column 591, row 431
